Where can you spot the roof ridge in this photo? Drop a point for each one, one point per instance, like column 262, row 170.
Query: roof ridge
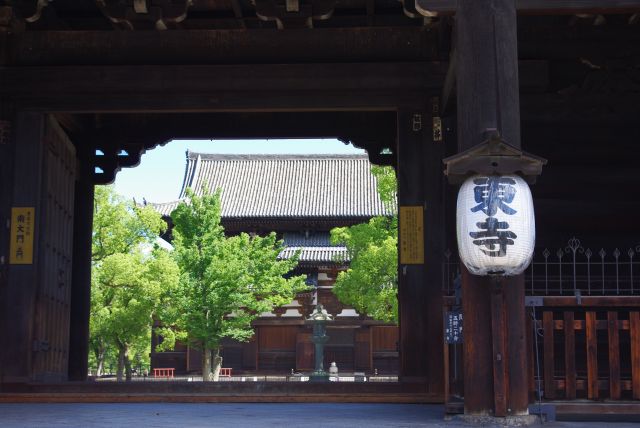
column 285, row 156
column 166, row 203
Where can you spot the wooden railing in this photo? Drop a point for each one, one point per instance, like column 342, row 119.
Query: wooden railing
column 168, row 372
column 587, row 347
column 582, row 347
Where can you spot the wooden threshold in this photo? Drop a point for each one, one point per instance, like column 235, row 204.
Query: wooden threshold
column 588, row 407
column 218, row 392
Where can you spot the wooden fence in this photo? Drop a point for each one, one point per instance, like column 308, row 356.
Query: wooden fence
column 587, row 348
column 583, row 307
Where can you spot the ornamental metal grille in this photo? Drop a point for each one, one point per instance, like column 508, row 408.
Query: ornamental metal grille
column 571, row 270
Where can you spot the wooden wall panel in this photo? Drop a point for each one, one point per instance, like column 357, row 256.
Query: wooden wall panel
column 250, row 354
column 305, row 352
column 277, row 348
column 194, row 360
column 277, row 338
column 384, row 338
column 341, row 355
column 384, row 349
column 362, row 350
column 51, row 326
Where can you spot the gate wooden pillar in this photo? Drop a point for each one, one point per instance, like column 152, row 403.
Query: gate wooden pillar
column 494, row 314
column 7, row 122
column 35, row 294
column 21, row 281
column 81, row 274
column 420, row 185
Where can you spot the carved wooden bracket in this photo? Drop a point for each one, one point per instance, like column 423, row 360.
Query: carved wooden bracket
column 379, row 152
column 113, row 156
column 409, row 9
column 14, row 17
column 37, row 10
column 124, row 14
column 294, row 13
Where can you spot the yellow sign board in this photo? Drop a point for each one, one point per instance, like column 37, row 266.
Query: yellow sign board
column 411, row 235
column 22, row 233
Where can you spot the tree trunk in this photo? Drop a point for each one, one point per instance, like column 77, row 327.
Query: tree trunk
column 206, row 365
column 100, row 361
column 121, row 358
column 217, row 364
column 124, row 364
column 127, row 363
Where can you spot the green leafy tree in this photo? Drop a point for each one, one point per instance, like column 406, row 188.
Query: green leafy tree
column 370, row 284
column 225, row 282
column 130, row 279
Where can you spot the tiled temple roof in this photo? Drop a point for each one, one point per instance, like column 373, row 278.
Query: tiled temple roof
column 315, row 248
column 286, row 186
column 317, row 254
column 165, row 208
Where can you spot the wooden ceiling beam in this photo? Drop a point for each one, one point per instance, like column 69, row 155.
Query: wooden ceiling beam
column 263, row 87
column 585, row 108
column 219, row 126
column 223, row 46
column 540, row 7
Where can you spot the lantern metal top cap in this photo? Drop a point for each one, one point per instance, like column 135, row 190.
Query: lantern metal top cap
column 320, row 314
column 494, row 156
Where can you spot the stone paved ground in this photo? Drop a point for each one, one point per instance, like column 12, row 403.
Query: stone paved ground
column 240, row 416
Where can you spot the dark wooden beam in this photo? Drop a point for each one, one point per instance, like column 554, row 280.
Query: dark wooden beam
column 540, row 7
column 81, row 275
column 373, row 125
column 534, row 78
column 265, row 87
column 613, row 108
column 223, row 46
column 372, row 131
column 297, row 87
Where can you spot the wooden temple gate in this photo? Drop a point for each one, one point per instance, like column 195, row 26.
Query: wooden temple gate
column 564, row 83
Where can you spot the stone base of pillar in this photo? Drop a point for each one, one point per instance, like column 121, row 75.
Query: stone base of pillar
column 492, row 421
column 319, row 377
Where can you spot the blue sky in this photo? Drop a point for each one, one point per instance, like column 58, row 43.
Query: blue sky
column 159, row 176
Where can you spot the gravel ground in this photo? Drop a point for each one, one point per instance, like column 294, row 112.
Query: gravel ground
column 241, row 416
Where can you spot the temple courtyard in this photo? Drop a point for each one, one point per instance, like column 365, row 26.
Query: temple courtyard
column 238, row 415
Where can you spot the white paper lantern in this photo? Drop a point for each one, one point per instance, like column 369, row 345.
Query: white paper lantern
column 495, row 225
